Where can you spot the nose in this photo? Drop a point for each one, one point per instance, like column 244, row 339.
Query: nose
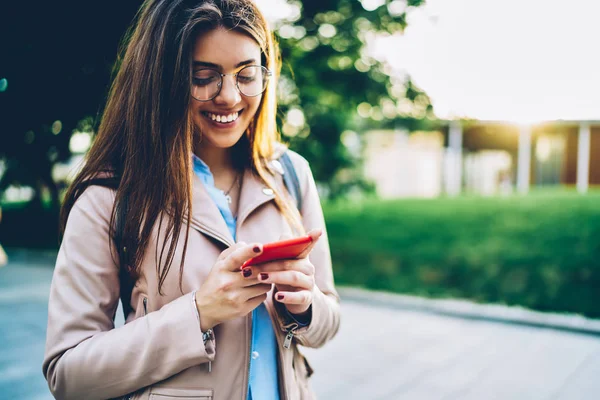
column 229, row 94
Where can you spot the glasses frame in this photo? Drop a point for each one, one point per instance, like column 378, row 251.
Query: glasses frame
column 268, row 75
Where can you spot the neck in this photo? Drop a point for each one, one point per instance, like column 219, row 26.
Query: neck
column 217, row 159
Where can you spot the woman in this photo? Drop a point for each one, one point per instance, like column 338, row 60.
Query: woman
column 181, row 186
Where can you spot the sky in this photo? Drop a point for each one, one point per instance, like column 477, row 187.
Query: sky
column 516, row 60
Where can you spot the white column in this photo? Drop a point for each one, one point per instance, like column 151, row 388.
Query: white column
column 524, row 160
column 455, row 134
column 583, row 157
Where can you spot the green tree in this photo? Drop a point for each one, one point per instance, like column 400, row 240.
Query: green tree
column 56, row 61
column 328, row 75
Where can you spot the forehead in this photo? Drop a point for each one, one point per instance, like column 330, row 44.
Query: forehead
column 225, row 48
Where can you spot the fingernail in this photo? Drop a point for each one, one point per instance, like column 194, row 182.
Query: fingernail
column 256, row 249
column 279, row 296
column 264, row 276
column 247, row 272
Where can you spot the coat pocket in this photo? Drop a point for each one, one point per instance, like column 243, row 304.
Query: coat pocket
column 159, row 393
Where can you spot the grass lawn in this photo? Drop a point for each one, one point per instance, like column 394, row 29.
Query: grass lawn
column 540, row 251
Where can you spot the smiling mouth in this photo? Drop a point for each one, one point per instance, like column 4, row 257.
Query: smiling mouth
column 223, row 119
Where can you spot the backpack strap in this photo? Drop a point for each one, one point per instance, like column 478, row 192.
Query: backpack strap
column 290, row 179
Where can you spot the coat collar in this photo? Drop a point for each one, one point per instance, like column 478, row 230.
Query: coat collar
column 254, row 193
column 207, row 218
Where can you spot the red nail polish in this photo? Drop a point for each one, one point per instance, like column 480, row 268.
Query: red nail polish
column 256, row 249
column 247, row 272
column 264, row 276
column 279, row 296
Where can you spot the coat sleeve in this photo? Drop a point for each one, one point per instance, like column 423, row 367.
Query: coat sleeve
column 86, row 357
column 325, row 308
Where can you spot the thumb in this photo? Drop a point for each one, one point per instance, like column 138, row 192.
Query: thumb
column 285, row 236
column 315, row 234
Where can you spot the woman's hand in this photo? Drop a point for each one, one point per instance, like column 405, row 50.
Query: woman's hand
column 294, row 279
column 227, row 292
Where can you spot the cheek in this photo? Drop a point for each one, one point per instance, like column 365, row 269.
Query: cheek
column 195, row 110
column 195, row 117
column 253, row 104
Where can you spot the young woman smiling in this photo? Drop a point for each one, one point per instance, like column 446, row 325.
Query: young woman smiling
column 181, row 186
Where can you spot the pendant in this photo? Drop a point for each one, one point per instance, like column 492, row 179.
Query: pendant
column 228, row 198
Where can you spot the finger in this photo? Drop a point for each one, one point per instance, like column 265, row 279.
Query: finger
column 225, row 253
column 300, row 265
column 248, row 273
column 256, row 290
column 302, row 297
column 315, row 234
column 256, row 301
column 248, row 277
column 235, row 260
column 294, row 279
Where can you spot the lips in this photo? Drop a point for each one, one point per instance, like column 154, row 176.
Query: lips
column 222, row 119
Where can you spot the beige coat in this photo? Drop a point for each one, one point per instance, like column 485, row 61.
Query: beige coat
column 159, row 352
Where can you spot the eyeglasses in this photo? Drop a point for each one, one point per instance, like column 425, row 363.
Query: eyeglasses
column 250, row 81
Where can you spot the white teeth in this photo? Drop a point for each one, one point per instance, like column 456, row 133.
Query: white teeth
column 223, row 118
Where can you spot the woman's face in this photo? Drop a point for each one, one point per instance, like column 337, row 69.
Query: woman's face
column 227, row 52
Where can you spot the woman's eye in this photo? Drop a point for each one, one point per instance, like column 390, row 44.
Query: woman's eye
column 198, row 81
column 249, row 78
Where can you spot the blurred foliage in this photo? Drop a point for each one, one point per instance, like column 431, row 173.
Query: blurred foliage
column 328, row 75
column 540, row 251
column 58, row 59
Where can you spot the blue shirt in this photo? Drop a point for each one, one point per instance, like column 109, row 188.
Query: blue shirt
column 263, row 382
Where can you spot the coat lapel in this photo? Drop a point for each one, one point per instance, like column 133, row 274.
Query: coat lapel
column 206, row 216
column 254, row 193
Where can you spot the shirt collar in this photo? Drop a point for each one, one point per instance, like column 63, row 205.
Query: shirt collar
column 202, row 170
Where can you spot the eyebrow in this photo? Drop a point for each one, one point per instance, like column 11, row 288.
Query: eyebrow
column 220, row 67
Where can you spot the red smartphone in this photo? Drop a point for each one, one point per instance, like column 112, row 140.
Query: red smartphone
column 284, row 249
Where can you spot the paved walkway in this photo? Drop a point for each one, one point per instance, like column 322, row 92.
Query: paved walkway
column 381, row 352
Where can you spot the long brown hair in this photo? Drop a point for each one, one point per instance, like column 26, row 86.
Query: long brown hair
column 145, row 137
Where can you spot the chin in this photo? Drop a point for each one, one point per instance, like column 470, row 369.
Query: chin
column 222, row 143
column 221, row 140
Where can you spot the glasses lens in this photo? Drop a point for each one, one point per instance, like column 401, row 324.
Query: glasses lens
column 252, row 80
column 205, row 84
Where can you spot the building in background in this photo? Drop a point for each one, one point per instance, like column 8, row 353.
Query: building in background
column 403, row 164
column 483, row 157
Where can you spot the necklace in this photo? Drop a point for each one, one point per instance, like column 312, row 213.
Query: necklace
column 235, row 181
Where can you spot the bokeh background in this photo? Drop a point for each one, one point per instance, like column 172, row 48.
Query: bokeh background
column 456, row 143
